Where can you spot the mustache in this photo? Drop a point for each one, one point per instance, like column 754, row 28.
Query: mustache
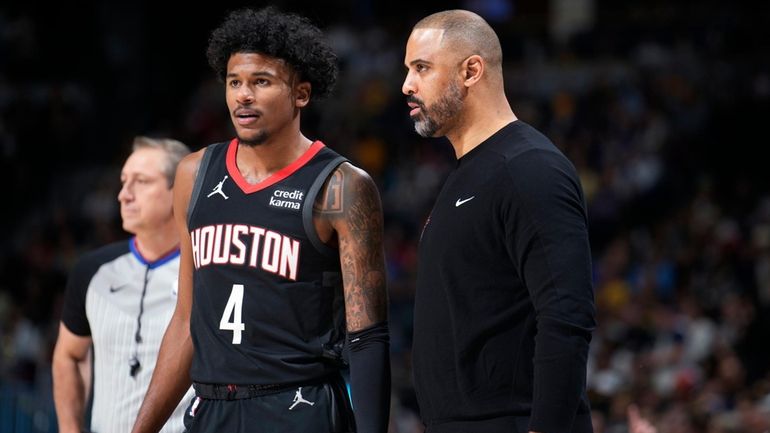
column 413, row 99
column 246, row 111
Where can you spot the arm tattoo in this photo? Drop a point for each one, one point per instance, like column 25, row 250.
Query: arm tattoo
column 332, row 197
column 352, row 203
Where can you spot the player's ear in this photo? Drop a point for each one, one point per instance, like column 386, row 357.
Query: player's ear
column 302, row 94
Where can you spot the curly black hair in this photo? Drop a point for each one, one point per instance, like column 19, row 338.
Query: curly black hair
column 285, row 36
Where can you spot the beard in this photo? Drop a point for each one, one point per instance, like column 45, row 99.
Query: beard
column 430, row 120
column 259, row 138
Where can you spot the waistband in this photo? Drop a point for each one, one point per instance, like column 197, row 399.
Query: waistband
column 216, row 391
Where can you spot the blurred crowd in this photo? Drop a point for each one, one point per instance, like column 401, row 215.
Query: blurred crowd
column 660, row 105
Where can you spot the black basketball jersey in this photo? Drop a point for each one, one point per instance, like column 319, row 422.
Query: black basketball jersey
column 267, row 293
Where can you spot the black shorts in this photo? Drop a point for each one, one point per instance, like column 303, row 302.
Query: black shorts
column 313, row 408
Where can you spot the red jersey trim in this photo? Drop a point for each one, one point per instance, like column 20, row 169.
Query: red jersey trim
column 274, row 178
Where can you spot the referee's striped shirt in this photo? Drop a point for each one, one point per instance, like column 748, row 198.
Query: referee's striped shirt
column 115, row 295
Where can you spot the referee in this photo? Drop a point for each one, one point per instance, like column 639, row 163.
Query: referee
column 120, row 298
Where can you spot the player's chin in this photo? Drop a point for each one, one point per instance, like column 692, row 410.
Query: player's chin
column 252, row 137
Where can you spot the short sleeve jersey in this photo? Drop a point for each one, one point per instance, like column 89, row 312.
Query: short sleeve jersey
column 105, row 292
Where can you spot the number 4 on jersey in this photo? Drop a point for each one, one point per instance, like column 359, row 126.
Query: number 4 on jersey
column 233, row 308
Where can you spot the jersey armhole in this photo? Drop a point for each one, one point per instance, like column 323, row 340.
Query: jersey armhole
column 199, row 177
column 307, row 207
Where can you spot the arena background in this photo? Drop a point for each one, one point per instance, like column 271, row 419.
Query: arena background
column 661, row 105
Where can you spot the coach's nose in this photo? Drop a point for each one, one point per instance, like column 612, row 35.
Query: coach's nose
column 409, row 87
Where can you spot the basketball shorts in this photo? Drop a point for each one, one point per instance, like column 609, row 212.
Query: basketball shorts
column 312, row 408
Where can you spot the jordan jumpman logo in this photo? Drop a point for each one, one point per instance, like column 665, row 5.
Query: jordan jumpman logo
column 218, row 189
column 299, row 399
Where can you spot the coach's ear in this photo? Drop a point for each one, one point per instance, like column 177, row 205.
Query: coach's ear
column 472, row 70
column 302, row 94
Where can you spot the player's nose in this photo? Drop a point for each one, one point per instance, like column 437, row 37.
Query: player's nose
column 245, row 95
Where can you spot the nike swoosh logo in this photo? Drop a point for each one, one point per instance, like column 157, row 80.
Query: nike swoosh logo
column 460, row 202
column 117, row 289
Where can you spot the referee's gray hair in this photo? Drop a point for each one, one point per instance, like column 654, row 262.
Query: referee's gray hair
column 175, row 150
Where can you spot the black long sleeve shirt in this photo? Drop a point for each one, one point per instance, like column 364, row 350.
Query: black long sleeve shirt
column 504, row 309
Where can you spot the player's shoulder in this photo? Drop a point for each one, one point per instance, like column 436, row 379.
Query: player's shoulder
column 352, row 172
column 362, row 188
column 189, row 165
column 348, row 189
column 355, row 181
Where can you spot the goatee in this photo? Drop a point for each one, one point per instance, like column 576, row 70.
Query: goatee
column 260, row 138
column 431, row 120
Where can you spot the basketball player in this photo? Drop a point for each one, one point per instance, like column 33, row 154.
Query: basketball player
column 281, row 250
column 504, row 306
column 120, row 298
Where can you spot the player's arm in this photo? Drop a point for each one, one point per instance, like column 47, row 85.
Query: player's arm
column 351, row 203
column 171, row 378
column 69, row 385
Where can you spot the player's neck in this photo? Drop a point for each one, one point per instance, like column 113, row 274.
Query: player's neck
column 259, row 162
column 156, row 243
